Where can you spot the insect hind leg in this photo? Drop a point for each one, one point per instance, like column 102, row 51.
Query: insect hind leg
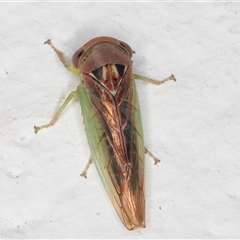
column 84, row 173
column 155, row 159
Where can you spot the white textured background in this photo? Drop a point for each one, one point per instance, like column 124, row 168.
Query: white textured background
column 192, row 125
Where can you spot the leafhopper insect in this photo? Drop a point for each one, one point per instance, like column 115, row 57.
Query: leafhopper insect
column 112, row 119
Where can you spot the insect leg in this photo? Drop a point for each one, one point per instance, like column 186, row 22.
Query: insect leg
column 84, row 173
column 156, row 82
column 72, row 95
column 69, row 67
column 156, row 160
column 153, row 81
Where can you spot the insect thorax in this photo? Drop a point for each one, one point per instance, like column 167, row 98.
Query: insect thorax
column 110, row 76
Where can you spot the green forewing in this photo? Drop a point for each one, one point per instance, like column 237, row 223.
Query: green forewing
column 130, row 205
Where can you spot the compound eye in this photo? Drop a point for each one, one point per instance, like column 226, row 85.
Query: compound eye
column 127, row 47
column 76, row 56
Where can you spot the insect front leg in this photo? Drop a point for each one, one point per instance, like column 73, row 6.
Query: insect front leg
column 153, row 81
column 156, row 82
column 74, row 94
column 69, row 67
column 84, row 173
